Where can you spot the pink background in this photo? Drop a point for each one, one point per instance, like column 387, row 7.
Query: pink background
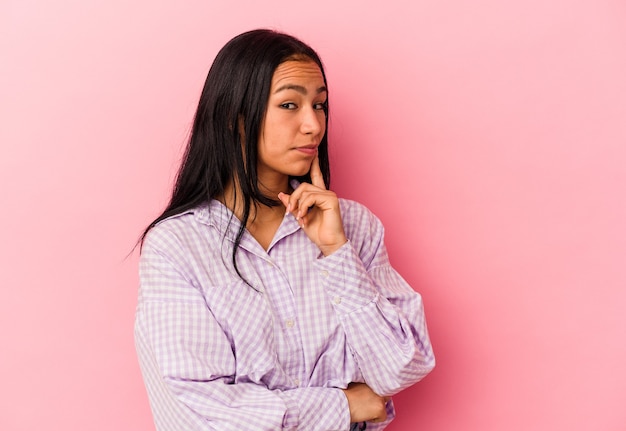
column 489, row 136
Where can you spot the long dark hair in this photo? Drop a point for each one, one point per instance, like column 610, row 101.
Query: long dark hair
column 222, row 147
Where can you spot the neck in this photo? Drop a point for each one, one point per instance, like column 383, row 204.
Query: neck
column 272, row 183
column 233, row 199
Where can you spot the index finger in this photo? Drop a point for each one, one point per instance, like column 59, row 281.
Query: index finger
column 317, row 179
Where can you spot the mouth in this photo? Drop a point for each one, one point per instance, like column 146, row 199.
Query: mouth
column 308, row 149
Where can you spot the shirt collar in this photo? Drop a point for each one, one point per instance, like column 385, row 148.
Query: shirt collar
column 216, row 214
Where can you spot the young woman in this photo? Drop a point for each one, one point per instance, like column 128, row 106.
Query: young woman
column 266, row 302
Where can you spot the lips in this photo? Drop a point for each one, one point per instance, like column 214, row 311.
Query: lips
column 308, row 149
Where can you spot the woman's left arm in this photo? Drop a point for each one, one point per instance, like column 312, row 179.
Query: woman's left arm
column 382, row 316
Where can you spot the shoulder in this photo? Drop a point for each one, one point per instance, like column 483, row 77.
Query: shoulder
column 363, row 228
column 176, row 232
column 357, row 215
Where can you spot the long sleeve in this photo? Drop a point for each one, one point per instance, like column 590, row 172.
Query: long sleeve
column 382, row 316
column 190, row 368
column 274, row 351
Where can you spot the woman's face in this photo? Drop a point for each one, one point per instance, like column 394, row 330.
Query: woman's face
column 295, row 121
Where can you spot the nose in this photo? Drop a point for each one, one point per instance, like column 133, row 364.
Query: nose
column 313, row 121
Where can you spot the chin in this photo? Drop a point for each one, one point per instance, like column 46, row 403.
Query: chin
column 297, row 174
column 298, row 171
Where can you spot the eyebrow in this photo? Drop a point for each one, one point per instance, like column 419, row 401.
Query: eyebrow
column 299, row 88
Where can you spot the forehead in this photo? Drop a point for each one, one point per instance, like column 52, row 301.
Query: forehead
column 301, row 72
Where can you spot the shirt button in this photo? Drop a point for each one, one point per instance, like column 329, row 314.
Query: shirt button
column 296, row 382
column 337, row 300
column 324, row 273
column 269, row 263
column 289, row 323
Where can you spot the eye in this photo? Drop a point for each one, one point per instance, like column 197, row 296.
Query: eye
column 323, row 106
column 288, row 105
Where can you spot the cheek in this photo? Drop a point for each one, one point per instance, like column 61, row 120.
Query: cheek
column 274, row 127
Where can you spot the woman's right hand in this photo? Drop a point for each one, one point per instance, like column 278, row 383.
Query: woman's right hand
column 365, row 404
column 317, row 211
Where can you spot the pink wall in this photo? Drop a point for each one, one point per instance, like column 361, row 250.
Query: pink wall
column 489, row 136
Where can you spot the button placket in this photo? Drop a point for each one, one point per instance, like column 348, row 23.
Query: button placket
column 284, row 306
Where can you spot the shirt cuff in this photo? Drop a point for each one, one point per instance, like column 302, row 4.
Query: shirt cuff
column 315, row 409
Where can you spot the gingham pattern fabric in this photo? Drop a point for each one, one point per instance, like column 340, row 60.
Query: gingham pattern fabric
column 219, row 354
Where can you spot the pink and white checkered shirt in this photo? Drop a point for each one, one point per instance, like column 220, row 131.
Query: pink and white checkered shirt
column 218, row 354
